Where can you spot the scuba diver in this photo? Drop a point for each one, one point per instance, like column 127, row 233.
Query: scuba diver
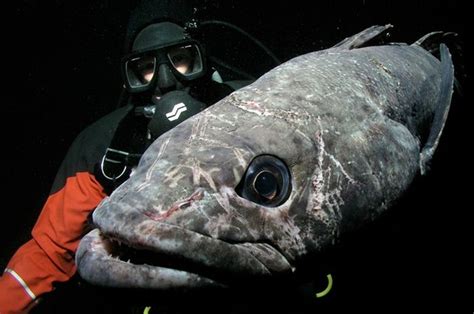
column 167, row 78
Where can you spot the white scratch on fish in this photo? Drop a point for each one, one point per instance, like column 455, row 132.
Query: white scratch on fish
column 150, row 171
column 198, row 172
column 240, row 157
column 321, row 180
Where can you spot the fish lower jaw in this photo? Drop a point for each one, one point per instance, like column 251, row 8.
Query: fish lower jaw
column 165, row 256
column 109, row 262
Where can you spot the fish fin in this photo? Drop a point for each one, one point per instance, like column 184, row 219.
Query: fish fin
column 441, row 113
column 361, row 39
column 431, row 41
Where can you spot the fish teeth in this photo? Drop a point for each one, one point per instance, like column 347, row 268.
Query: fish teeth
column 116, row 241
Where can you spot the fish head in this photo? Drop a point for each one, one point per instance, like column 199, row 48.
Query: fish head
column 230, row 194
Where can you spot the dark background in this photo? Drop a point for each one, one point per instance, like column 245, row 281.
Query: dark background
column 61, row 72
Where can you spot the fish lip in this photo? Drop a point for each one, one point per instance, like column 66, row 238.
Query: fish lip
column 96, row 265
column 229, row 264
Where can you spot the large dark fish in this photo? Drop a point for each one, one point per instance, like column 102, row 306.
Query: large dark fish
column 273, row 173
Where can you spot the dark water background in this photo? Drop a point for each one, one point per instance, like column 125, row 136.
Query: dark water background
column 61, row 72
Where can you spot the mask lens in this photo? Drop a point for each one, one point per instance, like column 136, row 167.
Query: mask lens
column 186, row 59
column 140, row 71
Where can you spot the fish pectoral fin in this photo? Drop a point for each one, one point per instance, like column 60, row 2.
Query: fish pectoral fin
column 442, row 110
column 361, row 39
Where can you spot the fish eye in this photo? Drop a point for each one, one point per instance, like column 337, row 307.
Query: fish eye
column 266, row 182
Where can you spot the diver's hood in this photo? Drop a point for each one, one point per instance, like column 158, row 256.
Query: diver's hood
column 156, row 35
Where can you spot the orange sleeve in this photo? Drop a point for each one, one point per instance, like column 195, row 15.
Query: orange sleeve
column 49, row 256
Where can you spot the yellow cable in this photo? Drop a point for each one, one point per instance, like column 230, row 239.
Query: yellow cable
column 328, row 288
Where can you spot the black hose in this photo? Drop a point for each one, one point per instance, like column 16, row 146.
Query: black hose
column 238, row 29
column 231, row 68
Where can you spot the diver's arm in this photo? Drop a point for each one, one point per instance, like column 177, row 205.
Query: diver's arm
column 49, row 256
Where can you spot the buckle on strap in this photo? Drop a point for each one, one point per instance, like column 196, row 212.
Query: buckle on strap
column 114, row 159
column 114, row 163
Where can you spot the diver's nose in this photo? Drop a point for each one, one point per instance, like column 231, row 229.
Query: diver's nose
column 166, row 79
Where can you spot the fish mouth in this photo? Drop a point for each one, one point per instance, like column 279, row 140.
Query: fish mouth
column 166, row 257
